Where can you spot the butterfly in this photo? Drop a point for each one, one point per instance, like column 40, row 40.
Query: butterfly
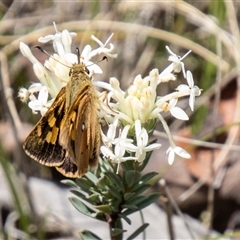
column 68, row 134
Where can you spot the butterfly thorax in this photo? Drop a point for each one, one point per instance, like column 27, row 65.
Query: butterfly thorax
column 79, row 82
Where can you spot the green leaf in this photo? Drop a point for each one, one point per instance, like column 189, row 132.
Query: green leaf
column 140, row 188
column 141, row 202
column 86, row 234
column 138, row 231
column 115, row 179
column 103, row 182
column 127, row 196
column 133, row 207
column 104, row 208
column 132, row 177
column 69, row 182
column 125, row 218
column 145, row 178
column 91, row 177
column 79, row 194
column 135, row 200
column 114, row 203
column 117, row 231
column 93, row 198
column 83, row 196
column 84, row 209
column 85, row 185
column 114, row 191
column 104, row 165
column 80, row 206
column 128, row 165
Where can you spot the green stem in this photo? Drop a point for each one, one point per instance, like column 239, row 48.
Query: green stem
column 114, row 224
column 142, row 219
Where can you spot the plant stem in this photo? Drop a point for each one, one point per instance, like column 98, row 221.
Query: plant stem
column 115, row 223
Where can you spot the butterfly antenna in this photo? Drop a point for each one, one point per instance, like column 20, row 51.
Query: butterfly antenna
column 45, row 52
column 78, row 54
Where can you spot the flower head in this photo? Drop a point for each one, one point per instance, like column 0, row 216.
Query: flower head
column 54, row 74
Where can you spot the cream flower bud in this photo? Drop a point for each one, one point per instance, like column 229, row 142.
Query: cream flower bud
column 23, row 94
column 26, row 52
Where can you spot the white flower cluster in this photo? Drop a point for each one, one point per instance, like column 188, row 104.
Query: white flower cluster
column 134, row 111
column 54, row 74
column 140, row 106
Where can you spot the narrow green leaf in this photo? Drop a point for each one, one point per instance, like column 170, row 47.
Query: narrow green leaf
column 79, row 194
column 127, row 196
column 82, row 196
column 86, row 235
column 125, row 218
column 135, row 200
column 103, row 182
column 140, row 188
column 93, row 198
column 85, row 185
column 69, row 182
column 142, row 202
column 80, row 206
column 84, row 209
column 114, row 192
column 104, row 208
column 91, row 177
column 133, row 207
column 145, row 178
column 138, row 231
column 128, row 165
column 116, row 179
column 132, row 177
column 114, row 203
column 149, row 200
column 117, row 231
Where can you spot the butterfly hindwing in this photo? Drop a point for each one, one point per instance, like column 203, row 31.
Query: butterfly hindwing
column 81, row 131
column 68, row 168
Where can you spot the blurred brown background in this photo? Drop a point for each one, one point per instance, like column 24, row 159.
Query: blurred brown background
column 206, row 186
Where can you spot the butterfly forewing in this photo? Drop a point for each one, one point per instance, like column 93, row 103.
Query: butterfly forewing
column 42, row 143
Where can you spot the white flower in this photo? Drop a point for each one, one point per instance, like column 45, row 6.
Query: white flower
column 142, row 141
column 103, row 48
column 41, row 103
column 177, row 112
column 176, row 66
column 190, row 89
column 172, row 150
column 61, row 40
column 121, row 144
column 111, row 134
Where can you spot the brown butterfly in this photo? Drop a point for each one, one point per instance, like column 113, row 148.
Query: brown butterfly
column 68, row 135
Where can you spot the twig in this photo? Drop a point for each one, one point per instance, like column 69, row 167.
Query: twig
column 162, row 183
